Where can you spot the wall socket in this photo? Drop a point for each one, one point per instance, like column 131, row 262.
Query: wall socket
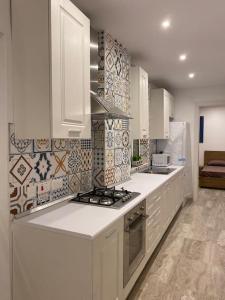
column 44, row 187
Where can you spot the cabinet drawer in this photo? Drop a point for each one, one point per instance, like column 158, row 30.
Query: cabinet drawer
column 153, row 204
column 154, row 217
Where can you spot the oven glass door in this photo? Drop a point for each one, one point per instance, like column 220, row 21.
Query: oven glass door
column 134, row 247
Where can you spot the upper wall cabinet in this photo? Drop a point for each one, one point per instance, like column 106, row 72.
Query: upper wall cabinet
column 51, row 69
column 139, row 103
column 161, row 111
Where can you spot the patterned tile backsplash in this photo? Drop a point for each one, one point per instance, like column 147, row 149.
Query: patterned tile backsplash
column 114, row 66
column 46, row 170
column 112, row 151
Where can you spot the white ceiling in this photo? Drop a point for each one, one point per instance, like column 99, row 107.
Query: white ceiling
column 198, row 29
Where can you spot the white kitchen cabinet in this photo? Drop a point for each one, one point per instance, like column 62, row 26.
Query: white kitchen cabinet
column 51, row 69
column 153, row 222
column 161, row 207
column 49, row 264
column 161, row 111
column 139, row 103
column 108, row 264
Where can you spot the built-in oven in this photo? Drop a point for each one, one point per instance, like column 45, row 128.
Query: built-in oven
column 134, row 240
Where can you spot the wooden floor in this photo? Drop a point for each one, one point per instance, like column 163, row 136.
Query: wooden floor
column 190, row 263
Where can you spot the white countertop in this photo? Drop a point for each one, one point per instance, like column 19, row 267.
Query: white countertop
column 89, row 220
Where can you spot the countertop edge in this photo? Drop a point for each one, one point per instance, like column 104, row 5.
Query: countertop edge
column 24, row 221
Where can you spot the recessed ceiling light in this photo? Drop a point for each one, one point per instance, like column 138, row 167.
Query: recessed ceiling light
column 166, row 24
column 183, row 57
column 191, row 75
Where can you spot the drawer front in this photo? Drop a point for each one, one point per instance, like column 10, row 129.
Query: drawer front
column 153, row 229
column 153, row 203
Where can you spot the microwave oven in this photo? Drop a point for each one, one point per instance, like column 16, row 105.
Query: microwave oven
column 161, row 160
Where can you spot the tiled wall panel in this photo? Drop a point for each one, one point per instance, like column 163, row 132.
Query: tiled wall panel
column 111, row 151
column 45, row 170
column 114, row 66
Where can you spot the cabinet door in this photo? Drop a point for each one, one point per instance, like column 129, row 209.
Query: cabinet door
column 144, row 105
column 70, row 71
column 108, row 264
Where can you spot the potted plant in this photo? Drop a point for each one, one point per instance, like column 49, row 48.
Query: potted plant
column 136, row 161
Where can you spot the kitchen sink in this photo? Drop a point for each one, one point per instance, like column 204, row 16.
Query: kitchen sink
column 161, row 171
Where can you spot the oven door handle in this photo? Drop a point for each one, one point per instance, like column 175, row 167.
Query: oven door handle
column 143, row 218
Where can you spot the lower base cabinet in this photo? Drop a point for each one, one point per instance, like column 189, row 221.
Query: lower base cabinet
column 161, row 207
column 108, row 264
column 51, row 265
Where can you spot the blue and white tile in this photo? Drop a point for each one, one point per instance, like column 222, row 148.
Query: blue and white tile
column 62, row 187
column 118, row 138
column 125, row 138
column 86, row 144
column 125, row 124
column 126, row 156
column 98, row 158
column 74, row 144
column 74, row 161
column 43, row 166
column 118, row 157
column 109, row 124
column 109, row 139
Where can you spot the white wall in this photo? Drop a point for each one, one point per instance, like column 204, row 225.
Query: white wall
column 5, row 62
column 187, row 103
column 214, row 134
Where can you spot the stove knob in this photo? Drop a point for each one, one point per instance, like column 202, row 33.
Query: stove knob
column 137, row 213
column 130, row 219
column 142, row 208
column 125, row 198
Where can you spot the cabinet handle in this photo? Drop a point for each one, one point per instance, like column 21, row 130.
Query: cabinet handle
column 74, row 133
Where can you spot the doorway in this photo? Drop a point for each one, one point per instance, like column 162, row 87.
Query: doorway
column 212, row 147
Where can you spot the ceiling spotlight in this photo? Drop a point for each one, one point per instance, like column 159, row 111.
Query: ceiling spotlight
column 191, row 75
column 182, row 57
column 166, row 24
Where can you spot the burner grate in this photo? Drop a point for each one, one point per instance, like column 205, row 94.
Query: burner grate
column 108, row 197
